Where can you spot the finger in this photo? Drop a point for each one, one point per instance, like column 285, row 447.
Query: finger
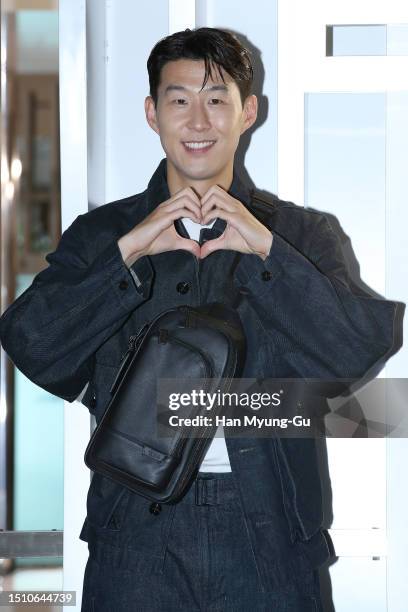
column 189, row 192
column 213, row 245
column 218, row 200
column 166, row 219
column 183, row 193
column 214, row 189
column 187, row 245
column 230, row 217
column 184, row 201
column 180, row 212
column 187, row 195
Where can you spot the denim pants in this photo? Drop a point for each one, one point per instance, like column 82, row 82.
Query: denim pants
column 209, row 565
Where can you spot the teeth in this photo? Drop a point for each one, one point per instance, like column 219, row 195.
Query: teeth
column 199, row 145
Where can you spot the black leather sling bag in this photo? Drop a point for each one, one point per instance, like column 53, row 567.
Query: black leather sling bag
column 182, row 343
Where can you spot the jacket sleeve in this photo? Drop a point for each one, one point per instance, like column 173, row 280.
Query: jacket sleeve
column 317, row 321
column 52, row 331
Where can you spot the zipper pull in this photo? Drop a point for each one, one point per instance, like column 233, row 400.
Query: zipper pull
column 129, row 348
column 134, row 341
column 121, row 370
column 133, row 344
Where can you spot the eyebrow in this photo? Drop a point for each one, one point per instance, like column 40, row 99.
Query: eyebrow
column 220, row 87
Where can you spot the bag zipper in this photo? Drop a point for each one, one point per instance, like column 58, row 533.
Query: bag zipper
column 200, row 445
column 133, row 344
column 232, row 358
column 168, row 337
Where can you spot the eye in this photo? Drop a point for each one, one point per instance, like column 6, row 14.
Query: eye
column 216, row 101
column 179, row 101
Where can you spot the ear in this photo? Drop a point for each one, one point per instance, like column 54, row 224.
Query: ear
column 150, row 111
column 249, row 112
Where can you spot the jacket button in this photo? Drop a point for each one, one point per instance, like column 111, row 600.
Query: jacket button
column 183, row 287
column 155, row 508
column 123, row 284
column 266, row 275
column 92, row 401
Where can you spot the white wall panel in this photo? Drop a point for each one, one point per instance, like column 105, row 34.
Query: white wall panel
column 396, row 285
column 257, row 23
column 367, row 485
column 74, row 201
column 133, row 150
column 359, row 584
column 345, row 171
column 357, row 471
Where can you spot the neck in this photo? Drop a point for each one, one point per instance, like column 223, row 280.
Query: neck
column 177, row 181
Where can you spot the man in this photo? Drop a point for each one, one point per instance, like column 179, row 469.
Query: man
column 248, row 533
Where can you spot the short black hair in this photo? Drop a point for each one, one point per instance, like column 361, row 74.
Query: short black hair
column 218, row 48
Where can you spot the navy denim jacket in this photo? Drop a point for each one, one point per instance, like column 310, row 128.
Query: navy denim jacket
column 303, row 317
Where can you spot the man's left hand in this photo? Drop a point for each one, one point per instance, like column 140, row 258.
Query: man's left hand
column 243, row 232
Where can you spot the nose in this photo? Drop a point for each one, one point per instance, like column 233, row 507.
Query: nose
column 199, row 119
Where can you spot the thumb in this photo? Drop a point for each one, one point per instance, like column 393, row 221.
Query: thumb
column 188, row 245
column 212, row 245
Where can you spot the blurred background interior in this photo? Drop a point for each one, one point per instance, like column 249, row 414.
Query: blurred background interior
column 31, row 460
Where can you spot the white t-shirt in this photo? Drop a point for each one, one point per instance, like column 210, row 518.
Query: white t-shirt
column 216, row 458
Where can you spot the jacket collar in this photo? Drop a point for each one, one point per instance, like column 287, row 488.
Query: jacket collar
column 158, row 191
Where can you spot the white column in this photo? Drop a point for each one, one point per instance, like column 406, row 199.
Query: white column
column 74, row 199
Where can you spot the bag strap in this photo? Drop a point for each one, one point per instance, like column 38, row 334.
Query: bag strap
column 261, row 203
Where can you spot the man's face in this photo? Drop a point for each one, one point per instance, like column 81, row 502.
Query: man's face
column 199, row 130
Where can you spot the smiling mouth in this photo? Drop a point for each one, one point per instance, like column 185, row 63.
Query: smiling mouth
column 199, row 146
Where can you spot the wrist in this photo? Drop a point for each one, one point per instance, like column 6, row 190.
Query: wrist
column 268, row 245
column 129, row 255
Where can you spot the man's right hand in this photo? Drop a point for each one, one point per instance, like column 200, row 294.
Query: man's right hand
column 157, row 233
